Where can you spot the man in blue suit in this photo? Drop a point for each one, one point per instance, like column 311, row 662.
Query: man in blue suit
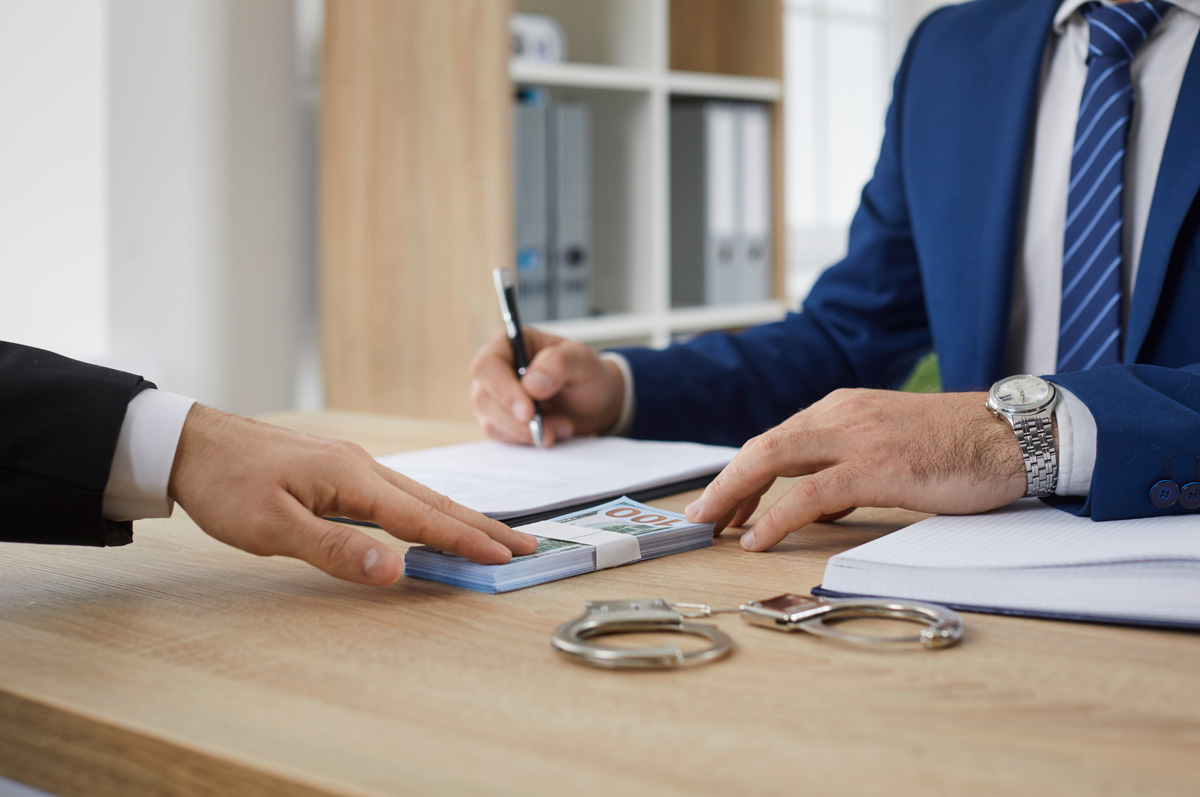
column 1034, row 210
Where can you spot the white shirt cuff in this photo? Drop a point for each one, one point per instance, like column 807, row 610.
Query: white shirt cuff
column 141, row 467
column 1076, row 444
column 625, row 418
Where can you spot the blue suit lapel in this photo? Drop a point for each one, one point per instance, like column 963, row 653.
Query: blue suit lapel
column 1175, row 190
column 1006, row 121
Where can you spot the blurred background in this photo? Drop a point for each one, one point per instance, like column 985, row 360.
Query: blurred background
column 165, row 207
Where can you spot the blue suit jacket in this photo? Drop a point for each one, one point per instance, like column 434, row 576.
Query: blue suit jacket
column 930, row 264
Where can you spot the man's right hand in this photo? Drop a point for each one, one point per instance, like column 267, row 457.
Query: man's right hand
column 579, row 393
column 268, row 491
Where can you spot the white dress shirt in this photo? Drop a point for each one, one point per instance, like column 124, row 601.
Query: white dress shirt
column 1157, row 72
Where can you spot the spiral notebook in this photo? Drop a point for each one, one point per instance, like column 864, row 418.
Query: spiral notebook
column 1031, row 559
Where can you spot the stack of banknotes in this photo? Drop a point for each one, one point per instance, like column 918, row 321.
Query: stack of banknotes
column 658, row 533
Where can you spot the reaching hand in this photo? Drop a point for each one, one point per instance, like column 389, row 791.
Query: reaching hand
column 266, row 490
column 579, row 393
column 933, row 453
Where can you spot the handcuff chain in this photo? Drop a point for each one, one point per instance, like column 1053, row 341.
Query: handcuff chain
column 702, row 610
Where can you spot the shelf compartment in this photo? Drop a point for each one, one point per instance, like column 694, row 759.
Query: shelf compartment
column 611, row 32
column 621, row 195
column 728, row 37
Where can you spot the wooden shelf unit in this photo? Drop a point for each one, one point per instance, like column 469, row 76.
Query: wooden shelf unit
column 416, row 176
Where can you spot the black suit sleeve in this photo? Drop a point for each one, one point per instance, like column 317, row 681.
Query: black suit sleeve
column 59, row 422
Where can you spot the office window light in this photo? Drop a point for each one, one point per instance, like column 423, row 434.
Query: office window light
column 839, row 57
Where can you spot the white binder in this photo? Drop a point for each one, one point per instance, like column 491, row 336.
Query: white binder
column 704, row 202
column 754, row 205
column 570, row 211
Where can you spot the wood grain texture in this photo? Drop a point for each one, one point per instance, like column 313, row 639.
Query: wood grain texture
column 415, row 199
column 58, row 750
column 728, row 37
column 178, row 665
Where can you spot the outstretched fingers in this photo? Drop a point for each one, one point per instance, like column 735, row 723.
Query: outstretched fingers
column 339, row 549
column 458, row 522
column 826, row 492
column 750, row 473
column 747, row 509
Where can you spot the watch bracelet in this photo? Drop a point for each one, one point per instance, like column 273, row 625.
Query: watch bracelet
column 1035, row 436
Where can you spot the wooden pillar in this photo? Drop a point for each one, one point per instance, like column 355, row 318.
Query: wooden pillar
column 415, row 199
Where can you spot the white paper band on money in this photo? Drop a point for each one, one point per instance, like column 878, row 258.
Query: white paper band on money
column 612, row 547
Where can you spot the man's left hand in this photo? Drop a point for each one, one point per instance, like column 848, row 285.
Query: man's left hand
column 944, row 453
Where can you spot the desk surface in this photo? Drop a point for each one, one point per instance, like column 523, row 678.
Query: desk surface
column 180, row 665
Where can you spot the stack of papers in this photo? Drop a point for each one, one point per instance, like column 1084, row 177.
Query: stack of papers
column 521, row 483
column 1032, row 559
column 657, row 531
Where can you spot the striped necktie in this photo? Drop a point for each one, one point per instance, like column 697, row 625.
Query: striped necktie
column 1089, row 332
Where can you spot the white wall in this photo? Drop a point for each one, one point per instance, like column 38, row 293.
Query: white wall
column 204, row 200
column 54, row 176
column 150, row 216
column 839, row 60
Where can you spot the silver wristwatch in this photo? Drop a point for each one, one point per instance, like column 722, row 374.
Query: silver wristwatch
column 1027, row 402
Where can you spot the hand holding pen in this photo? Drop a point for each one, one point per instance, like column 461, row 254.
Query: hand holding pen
column 523, row 378
column 506, row 292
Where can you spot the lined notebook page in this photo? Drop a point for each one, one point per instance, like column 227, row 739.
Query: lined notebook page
column 1034, row 559
column 1031, row 534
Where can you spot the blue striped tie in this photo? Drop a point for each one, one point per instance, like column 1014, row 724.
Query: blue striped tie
column 1089, row 333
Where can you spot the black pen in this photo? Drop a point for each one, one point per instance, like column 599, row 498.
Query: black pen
column 506, row 292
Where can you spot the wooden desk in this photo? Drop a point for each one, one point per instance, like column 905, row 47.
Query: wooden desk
column 179, row 665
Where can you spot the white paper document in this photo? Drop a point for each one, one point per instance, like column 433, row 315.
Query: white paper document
column 1029, row 558
column 505, row 481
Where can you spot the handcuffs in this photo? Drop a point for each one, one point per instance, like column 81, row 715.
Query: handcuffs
column 788, row 612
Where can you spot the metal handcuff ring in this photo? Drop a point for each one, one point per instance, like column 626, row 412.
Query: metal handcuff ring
column 789, row 612
column 573, row 638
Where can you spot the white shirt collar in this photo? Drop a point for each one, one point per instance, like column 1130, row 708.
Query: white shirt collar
column 1068, row 8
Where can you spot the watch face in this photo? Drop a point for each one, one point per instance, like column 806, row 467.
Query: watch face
column 1022, row 392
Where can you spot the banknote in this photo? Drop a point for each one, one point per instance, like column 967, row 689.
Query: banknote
column 659, row 533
